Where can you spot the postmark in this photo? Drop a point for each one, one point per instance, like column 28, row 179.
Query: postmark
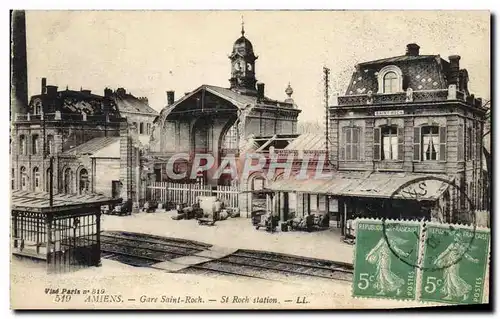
column 378, row 272
column 421, row 190
column 453, row 270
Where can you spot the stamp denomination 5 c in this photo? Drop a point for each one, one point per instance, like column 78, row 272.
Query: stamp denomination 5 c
column 454, row 264
column 380, row 273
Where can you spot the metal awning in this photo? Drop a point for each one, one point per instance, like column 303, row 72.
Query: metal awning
column 375, row 185
column 40, row 201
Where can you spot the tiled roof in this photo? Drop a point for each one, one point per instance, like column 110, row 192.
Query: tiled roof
column 130, row 104
column 308, row 142
column 92, row 146
column 398, row 59
column 241, row 98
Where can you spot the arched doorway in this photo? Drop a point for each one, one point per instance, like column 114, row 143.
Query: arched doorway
column 36, row 180
column 83, row 182
column 23, row 178
column 258, row 199
column 68, row 181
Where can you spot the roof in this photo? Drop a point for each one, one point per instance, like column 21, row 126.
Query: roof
column 92, row 146
column 308, row 142
column 130, row 104
column 111, row 150
column 375, row 185
column 39, row 201
column 399, row 58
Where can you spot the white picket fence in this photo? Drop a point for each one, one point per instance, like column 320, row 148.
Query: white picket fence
column 188, row 193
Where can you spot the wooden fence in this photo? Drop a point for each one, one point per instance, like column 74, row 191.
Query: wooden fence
column 188, row 193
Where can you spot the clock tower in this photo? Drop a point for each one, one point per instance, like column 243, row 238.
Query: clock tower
column 243, row 66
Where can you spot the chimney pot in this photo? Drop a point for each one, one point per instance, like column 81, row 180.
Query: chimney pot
column 51, row 90
column 412, row 49
column 454, row 72
column 170, row 97
column 44, row 86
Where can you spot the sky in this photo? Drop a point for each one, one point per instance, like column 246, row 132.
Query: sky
column 150, row 52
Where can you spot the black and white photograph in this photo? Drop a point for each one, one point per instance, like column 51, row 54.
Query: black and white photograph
column 249, row 159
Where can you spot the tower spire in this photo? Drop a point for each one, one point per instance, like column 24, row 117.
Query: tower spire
column 242, row 26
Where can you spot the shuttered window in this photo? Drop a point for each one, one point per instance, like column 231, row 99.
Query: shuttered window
column 442, row 143
column 416, row 144
column 401, row 141
column 460, row 143
column 376, row 144
column 350, row 149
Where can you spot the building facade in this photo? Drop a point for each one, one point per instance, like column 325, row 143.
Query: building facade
column 222, row 121
column 411, row 116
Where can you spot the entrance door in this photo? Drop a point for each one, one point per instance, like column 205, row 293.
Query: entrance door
column 115, row 189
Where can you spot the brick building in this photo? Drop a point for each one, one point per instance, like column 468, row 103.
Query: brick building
column 84, row 133
column 220, row 121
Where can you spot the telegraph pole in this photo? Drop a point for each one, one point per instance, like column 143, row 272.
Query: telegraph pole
column 51, row 160
column 326, row 79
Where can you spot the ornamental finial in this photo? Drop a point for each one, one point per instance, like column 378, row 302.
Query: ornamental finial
column 242, row 27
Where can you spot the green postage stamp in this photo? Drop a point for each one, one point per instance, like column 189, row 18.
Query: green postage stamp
column 385, row 259
column 454, row 264
column 430, row 262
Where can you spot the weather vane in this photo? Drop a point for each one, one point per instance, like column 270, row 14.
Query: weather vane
column 242, row 26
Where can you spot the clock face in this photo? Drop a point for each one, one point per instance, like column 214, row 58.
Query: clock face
column 237, row 66
column 249, row 67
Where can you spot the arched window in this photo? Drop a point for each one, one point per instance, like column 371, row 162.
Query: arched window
column 231, row 138
column 23, row 177
column 83, row 179
column 68, row 181
column 36, row 180
column 35, row 144
column 22, row 145
column 141, row 128
column 391, row 82
column 50, row 144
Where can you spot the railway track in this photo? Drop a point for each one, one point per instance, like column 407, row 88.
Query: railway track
column 273, row 266
column 141, row 250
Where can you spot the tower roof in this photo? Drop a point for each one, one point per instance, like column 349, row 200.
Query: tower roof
column 242, row 46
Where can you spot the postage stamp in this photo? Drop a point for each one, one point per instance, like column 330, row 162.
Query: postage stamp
column 455, row 261
column 380, row 273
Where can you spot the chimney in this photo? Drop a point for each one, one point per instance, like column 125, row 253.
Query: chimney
column 260, row 91
column 412, row 49
column 44, row 86
column 170, row 97
column 108, row 92
column 18, row 64
column 51, row 91
column 121, row 92
column 454, row 71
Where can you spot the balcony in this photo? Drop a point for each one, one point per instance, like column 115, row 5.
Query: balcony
column 417, row 96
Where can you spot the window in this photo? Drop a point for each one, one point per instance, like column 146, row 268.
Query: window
column 429, row 143
column 148, row 128
column 231, row 138
column 23, row 178
column 391, row 82
column 350, row 149
column 47, row 180
column 22, row 145
column 469, row 140
column 83, row 181
column 50, row 144
column 135, row 125
column 141, row 128
column 12, row 179
column 68, row 181
column 388, row 143
column 35, row 145
column 36, row 179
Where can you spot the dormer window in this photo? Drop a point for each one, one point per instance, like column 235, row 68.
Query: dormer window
column 390, row 80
